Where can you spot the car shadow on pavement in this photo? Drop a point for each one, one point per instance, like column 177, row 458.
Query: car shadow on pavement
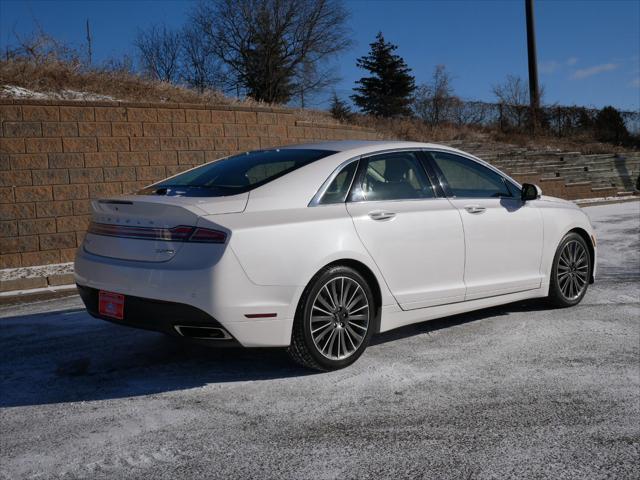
column 460, row 319
column 68, row 356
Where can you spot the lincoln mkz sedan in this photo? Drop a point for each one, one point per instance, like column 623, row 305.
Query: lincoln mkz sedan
column 318, row 247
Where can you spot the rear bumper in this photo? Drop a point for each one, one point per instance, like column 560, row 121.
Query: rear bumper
column 158, row 316
column 205, row 289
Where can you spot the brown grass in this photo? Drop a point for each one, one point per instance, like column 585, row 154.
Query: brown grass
column 121, row 85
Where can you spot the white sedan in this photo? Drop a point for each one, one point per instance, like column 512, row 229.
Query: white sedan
column 318, row 247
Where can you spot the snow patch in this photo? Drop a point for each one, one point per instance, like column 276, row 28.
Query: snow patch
column 13, row 91
column 8, row 274
column 615, row 198
column 19, row 92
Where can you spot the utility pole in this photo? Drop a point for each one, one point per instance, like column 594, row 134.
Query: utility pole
column 534, row 94
column 89, row 53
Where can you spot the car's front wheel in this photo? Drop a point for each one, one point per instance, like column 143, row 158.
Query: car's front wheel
column 334, row 322
column 571, row 271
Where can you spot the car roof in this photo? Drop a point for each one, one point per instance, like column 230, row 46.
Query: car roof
column 366, row 145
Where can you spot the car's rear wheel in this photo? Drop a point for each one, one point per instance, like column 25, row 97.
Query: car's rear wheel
column 571, row 271
column 334, row 322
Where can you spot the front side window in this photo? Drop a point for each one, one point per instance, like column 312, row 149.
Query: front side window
column 237, row 174
column 393, row 176
column 469, row 179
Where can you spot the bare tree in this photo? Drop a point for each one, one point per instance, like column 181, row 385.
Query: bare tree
column 39, row 47
column 434, row 102
column 309, row 81
column 513, row 101
column 159, row 51
column 469, row 112
column 265, row 44
column 200, row 68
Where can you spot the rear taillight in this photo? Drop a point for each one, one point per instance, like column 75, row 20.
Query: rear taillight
column 206, row 235
column 181, row 233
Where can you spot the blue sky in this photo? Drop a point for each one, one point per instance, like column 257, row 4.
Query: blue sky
column 588, row 51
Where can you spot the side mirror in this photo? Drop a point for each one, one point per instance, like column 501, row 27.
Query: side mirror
column 530, row 192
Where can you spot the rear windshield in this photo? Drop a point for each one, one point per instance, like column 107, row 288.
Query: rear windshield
column 237, row 174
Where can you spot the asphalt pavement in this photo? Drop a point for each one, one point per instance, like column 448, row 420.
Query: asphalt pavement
column 519, row 391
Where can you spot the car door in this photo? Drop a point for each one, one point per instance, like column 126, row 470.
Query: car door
column 503, row 235
column 414, row 237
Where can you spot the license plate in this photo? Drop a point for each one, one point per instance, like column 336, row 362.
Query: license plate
column 111, row 305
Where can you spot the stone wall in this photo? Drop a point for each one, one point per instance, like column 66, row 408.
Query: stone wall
column 56, row 156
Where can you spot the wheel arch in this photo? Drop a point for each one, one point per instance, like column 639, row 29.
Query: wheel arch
column 592, row 253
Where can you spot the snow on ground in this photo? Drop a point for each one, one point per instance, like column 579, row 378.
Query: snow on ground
column 617, row 236
column 13, row 91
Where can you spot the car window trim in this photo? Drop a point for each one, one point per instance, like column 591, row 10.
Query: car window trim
column 508, row 181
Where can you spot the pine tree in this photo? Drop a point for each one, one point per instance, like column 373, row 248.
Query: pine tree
column 388, row 91
column 339, row 108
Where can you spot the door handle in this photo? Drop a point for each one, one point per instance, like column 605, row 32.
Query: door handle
column 474, row 209
column 381, row 215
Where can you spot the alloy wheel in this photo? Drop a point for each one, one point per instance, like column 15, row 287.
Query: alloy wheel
column 339, row 318
column 573, row 270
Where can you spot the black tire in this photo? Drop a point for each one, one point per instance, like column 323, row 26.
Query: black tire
column 562, row 294
column 303, row 349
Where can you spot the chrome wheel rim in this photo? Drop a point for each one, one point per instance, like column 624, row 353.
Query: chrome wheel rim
column 339, row 318
column 573, row 270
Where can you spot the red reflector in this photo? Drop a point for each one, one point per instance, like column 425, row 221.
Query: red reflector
column 260, row 315
column 205, row 235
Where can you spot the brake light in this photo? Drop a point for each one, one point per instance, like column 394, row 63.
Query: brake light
column 206, row 235
column 181, row 233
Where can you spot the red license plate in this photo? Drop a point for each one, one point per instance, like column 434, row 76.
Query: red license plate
column 111, row 305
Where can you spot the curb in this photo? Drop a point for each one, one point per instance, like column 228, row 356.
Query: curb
column 17, row 297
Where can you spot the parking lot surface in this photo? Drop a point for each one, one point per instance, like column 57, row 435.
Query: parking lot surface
column 519, row 391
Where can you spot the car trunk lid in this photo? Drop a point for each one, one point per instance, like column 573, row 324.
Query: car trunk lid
column 150, row 228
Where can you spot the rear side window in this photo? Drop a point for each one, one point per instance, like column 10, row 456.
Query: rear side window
column 469, row 179
column 338, row 189
column 237, row 174
column 393, row 176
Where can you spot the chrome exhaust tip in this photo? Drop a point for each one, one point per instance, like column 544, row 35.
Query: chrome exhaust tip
column 203, row 333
